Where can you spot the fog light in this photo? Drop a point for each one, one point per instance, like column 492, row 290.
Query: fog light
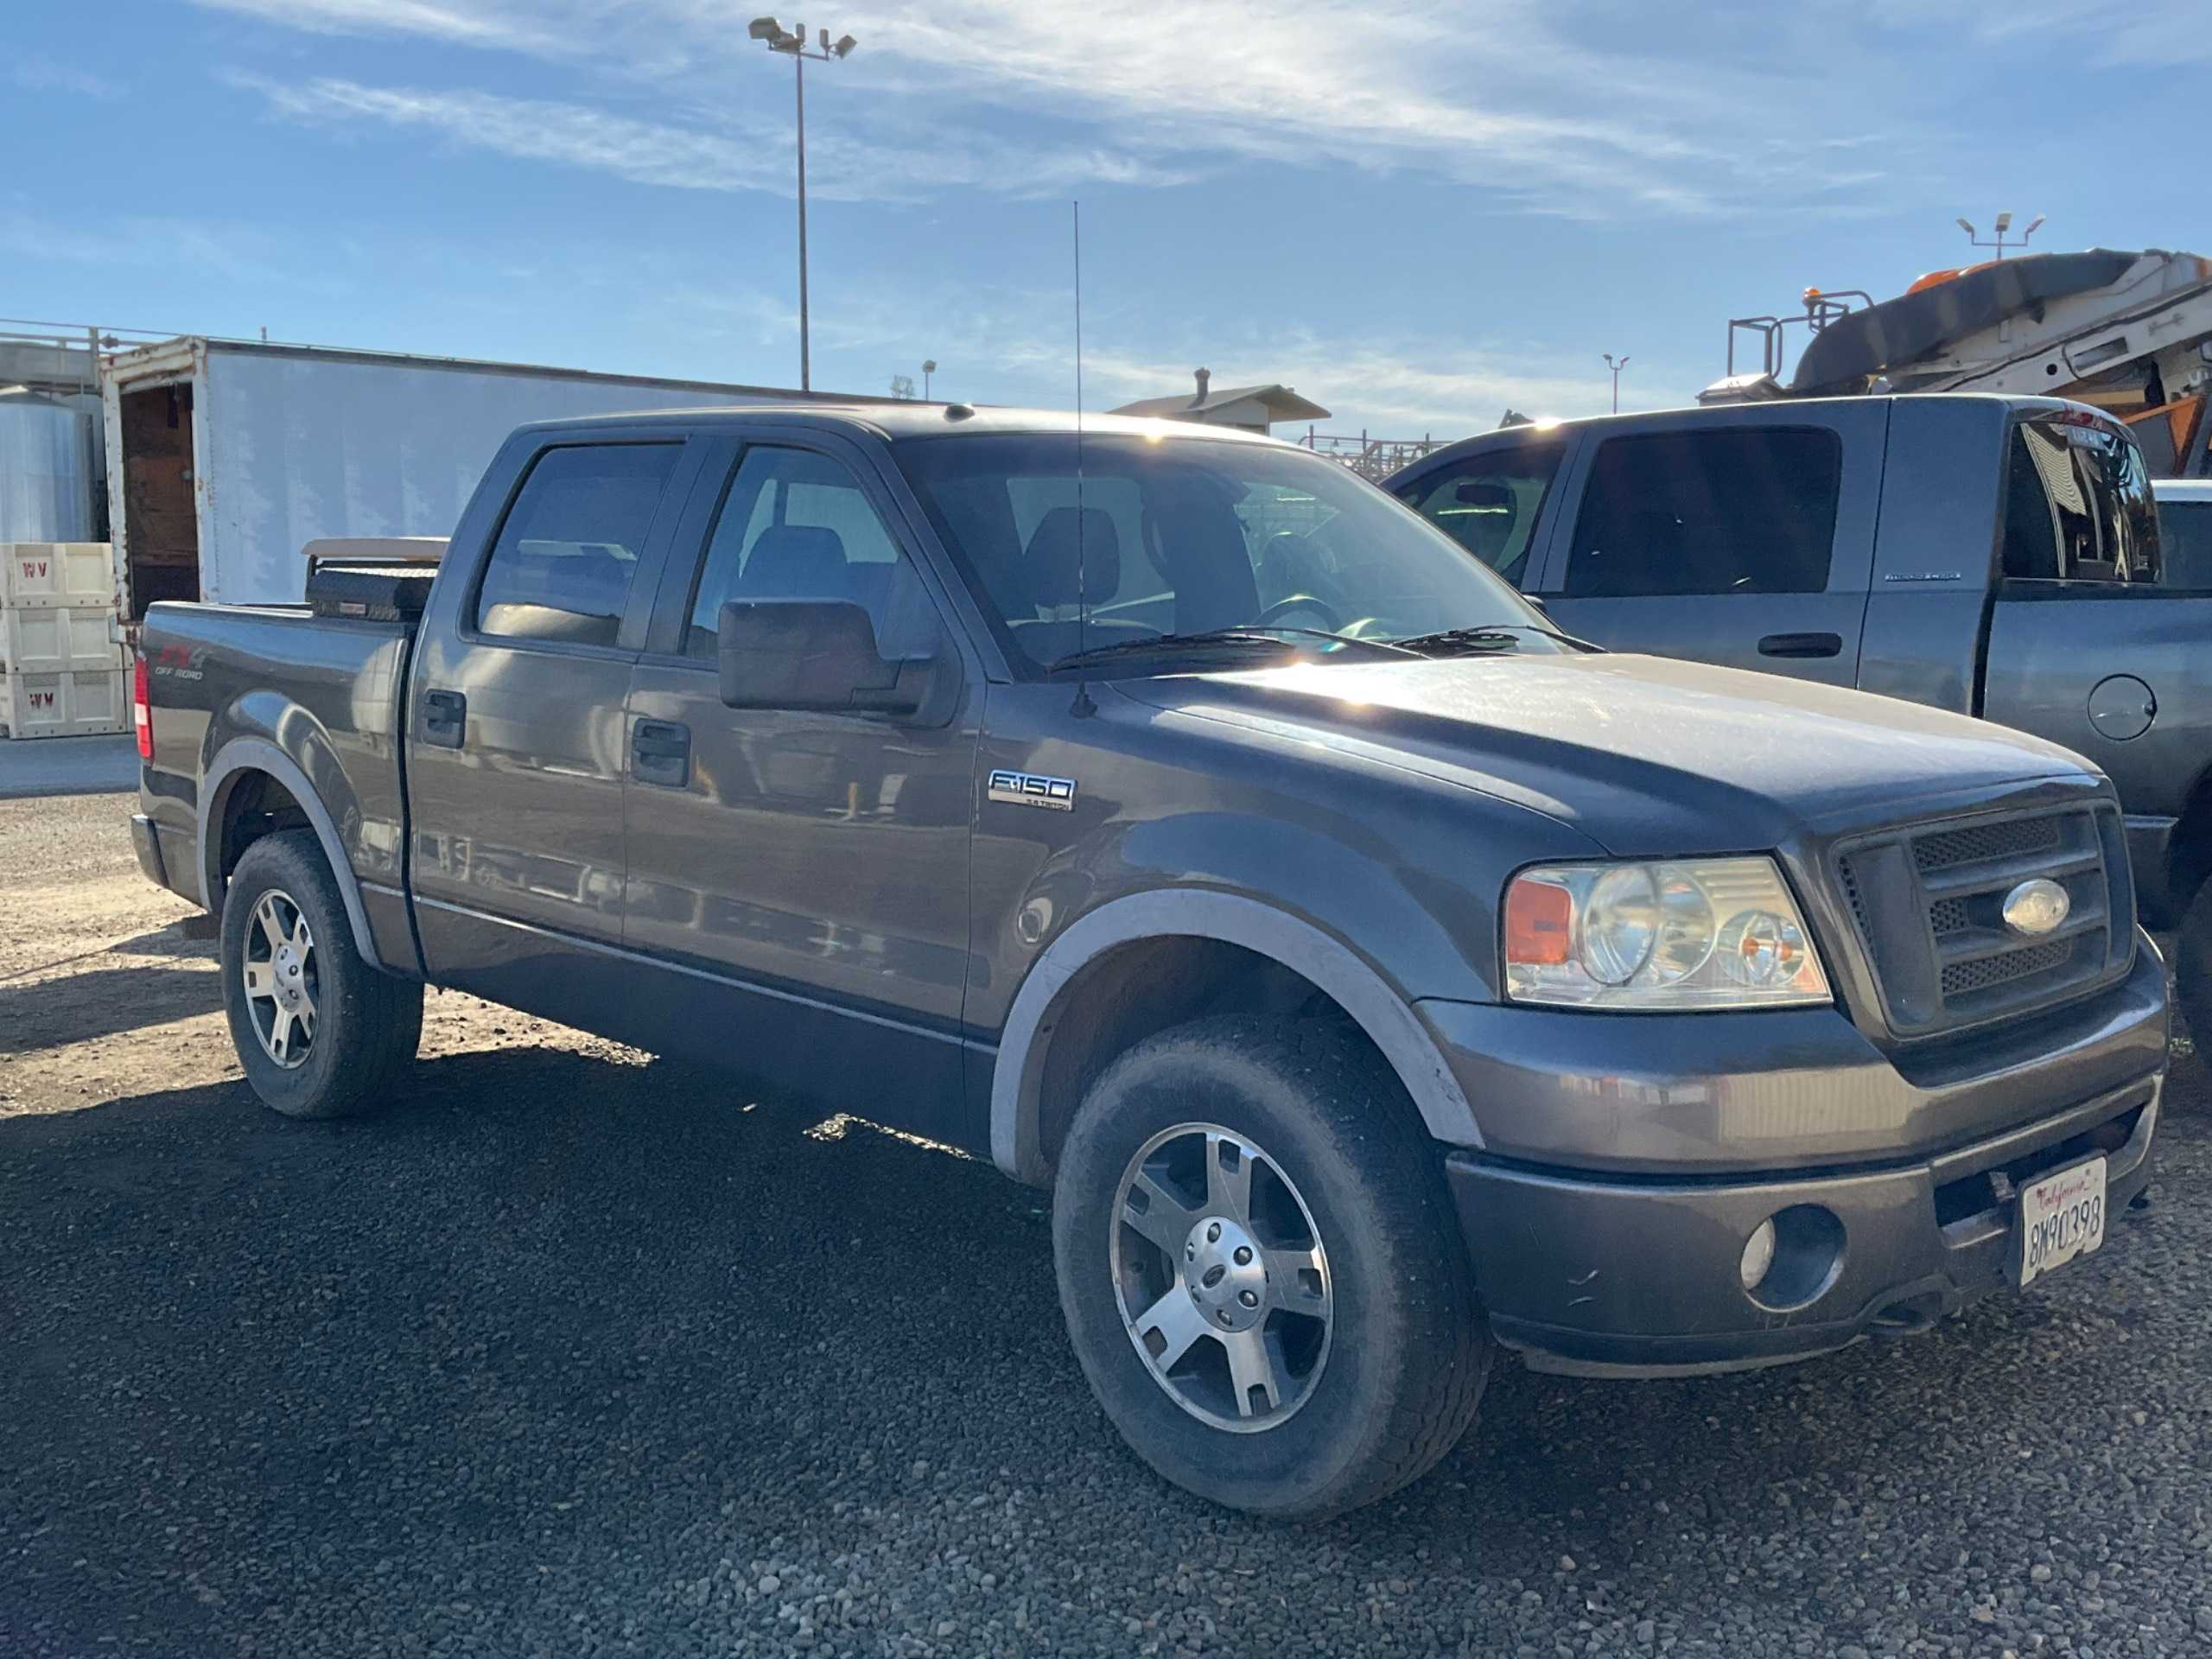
column 1759, row 1254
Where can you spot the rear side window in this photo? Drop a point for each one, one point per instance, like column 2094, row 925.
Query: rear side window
column 2185, row 544
column 1489, row 504
column 1733, row 511
column 561, row 569
column 2078, row 504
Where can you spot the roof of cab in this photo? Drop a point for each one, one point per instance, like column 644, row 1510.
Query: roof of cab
column 903, row 420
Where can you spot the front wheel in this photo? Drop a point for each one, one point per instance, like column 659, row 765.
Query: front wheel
column 320, row 1032
column 1260, row 1268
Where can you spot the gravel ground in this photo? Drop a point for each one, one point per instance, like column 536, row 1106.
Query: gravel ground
column 577, row 1353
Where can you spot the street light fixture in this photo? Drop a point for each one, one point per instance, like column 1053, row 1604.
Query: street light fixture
column 792, row 44
column 1616, row 368
column 2004, row 223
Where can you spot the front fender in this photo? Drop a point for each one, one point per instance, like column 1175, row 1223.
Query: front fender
column 1326, row 960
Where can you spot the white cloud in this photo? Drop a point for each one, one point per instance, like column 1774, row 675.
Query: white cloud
column 1524, row 99
column 37, row 72
column 740, row 154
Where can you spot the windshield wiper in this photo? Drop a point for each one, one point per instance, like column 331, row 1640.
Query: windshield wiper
column 1494, row 636
column 1213, row 638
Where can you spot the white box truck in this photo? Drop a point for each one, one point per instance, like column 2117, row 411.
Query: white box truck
column 225, row 457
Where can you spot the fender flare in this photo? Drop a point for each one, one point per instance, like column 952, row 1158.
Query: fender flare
column 1386, row 1017
column 232, row 761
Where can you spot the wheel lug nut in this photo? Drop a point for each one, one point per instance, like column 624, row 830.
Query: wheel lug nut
column 1223, row 1316
column 1213, row 1234
column 1250, row 1299
column 1190, row 1252
column 1243, row 1256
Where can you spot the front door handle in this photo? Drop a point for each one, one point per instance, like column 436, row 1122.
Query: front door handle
column 445, row 718
column 1801, row 644
column 660, row 752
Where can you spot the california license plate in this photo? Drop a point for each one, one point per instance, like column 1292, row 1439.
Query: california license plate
column 2061, row 1217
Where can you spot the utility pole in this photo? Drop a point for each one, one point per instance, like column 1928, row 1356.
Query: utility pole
column 793, row 43
column 1616, row 367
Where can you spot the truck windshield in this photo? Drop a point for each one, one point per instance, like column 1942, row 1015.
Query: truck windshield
column 1175, row 536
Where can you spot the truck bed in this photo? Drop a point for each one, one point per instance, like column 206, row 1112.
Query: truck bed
column 278, row 713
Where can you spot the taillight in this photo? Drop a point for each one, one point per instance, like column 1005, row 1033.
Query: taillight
column 142, row 708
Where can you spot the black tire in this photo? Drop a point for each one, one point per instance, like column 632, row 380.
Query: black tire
column 366, row 1025
column 2193, row 971
column 1409, row 1349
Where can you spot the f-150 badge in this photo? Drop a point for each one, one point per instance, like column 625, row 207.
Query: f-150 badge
column 1032, row 788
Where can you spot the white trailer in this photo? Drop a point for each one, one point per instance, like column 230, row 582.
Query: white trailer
column 225, row 457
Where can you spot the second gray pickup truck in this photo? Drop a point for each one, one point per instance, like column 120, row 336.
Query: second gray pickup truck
column 1374, row 975
column 1998, row 556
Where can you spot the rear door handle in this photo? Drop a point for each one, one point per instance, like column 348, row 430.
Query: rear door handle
column 445, row 718
column 660, row 752
column 1801, row 644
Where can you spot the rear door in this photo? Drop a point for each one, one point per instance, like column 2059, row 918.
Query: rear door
column 1744, row 539
column 516, row 766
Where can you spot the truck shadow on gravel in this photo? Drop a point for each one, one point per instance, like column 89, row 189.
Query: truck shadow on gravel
column 553, row 1312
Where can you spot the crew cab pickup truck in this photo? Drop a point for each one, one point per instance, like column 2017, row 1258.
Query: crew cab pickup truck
column 1376, row 977
column 1998, row 556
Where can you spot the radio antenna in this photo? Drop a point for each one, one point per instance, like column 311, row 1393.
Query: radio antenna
column 1083, row 703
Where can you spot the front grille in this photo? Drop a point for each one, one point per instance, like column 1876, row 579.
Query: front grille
column 1928, row 900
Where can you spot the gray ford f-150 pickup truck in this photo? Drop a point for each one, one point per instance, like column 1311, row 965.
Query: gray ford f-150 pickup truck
column 1998, row 556
column 1375, row 977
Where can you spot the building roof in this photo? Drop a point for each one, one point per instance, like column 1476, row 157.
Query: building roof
column 1280, row 401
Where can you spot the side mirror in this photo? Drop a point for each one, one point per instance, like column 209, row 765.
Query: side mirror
column 817, row 654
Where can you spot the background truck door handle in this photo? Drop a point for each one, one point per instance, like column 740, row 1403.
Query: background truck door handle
column 660, row 752
column 445, row 717
column 1800, row 644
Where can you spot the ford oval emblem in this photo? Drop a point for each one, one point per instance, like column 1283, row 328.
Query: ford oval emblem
column 2036, row 907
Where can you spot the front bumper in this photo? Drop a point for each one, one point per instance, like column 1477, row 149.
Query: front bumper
column 1606, row 1214
column 1600, row 1278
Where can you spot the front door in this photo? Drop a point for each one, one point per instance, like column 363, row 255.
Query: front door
column 800, row 879
column 1746, row 540
column 516, row 769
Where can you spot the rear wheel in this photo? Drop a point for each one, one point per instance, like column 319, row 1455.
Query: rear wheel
column 1261, row 1271
column 320, row 1032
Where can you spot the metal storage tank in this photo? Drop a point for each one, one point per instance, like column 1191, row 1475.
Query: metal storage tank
column 48, row 479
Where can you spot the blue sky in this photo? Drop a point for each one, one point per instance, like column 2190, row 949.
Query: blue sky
column 1417, row 214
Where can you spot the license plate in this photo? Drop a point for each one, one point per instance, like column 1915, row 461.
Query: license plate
column 2061, row 1217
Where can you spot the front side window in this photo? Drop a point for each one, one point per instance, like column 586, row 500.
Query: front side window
column 1489, row 502
column 1184, row 536
column 561, row 568
column 2077, row 504
column 795, row 524
column 1719, row 511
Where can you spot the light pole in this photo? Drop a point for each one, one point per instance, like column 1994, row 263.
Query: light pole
column 929, row 368
column 2004, row 224
column 792, row 44
column 1616, row 367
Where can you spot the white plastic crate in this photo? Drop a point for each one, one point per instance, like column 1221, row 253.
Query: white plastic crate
column 40, row 575
column 76, row 704
column 57, row 641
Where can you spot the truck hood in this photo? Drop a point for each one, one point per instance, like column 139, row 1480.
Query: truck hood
column 1646, row 755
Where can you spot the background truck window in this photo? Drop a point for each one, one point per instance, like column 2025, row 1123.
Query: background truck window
column 2078, row 504
column 1489, row 504
column 1719, row 512
column 795, row 524
column 2185, row 544
column 561, row 568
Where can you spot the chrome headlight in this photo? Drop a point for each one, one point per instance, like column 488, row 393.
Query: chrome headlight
column 1659, row 938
